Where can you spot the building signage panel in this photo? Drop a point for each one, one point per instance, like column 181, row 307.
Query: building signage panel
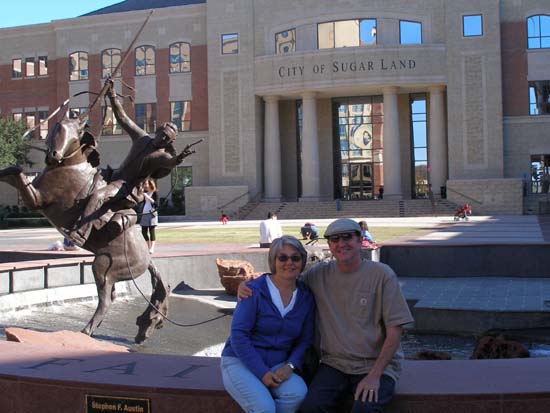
column 105, row 404
column 343, row 66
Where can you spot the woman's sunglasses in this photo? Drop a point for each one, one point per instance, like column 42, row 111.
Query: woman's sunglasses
column 293, row 258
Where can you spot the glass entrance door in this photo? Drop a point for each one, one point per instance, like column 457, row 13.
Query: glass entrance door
column 358, row 137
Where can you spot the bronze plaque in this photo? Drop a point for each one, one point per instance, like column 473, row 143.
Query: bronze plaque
column 106, row 404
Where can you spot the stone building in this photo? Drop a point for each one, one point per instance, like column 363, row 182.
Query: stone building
column 310, row 100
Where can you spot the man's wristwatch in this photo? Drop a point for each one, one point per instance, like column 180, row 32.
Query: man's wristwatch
column 289, row 364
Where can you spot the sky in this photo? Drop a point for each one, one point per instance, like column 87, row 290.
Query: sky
column 17, row 13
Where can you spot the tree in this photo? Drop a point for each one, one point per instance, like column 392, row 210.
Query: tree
column 13, row 148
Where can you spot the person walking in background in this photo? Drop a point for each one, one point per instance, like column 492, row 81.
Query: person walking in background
column 360, row 316
column 270, row 334
column 149, row 217
column 367, row 241
column 270, row 229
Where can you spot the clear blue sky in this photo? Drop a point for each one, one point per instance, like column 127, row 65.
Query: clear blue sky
column 23, row 12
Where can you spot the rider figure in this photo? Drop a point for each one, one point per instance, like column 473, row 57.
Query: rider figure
column 149, row 157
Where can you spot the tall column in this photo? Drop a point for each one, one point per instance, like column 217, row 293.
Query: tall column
column 392, row 147
column 311, row 173
column 437, row 145
column 272, row 150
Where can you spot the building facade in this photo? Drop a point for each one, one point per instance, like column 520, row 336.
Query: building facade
column 310, row 100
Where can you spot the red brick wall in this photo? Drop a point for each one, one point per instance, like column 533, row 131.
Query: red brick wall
column 199, row 88
column 94, row 72
column 163, row 86
column 515, row 88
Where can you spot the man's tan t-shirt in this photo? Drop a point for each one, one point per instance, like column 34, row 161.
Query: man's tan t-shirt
column 353, row 311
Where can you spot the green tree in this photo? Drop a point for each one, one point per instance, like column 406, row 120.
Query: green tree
column 13, row 148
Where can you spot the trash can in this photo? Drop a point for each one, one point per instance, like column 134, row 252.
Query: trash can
column 443, row 190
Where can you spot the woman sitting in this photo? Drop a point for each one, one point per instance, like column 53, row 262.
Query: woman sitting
column 367, row 241
column 270, row 333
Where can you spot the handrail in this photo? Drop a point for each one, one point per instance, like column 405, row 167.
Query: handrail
column 465, row 196
column 233, row 200
column 44, row 268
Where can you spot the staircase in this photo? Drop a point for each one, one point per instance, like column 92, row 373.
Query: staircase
column 352, row 209
column 536, row 204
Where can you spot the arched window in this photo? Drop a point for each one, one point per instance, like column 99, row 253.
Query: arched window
column 145, row 60
column 110, row 58
column 180, row 57
column 538, row 32
column 78, row 66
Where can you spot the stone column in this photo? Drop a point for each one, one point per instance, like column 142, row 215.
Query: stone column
column 272, row 150
column 392, row 147
column 311, row 173
column 437, row 144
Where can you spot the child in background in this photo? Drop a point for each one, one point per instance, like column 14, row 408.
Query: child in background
column 366, row 238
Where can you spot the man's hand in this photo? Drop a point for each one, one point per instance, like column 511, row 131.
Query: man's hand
column 243, row 291
column 184, row 154
column 269, row 380
column 367, row 389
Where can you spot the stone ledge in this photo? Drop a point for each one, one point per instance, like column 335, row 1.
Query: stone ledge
column 40, row 379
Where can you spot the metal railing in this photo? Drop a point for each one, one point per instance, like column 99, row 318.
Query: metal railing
column 465, row 196
column 46, row 275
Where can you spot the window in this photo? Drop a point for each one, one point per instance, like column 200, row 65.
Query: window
column 346, row 33
column 29, row 67
column 145, row 60
column 110, row 59
column 285, row 42
column 76, row 112
column 78, row 66
column 410, row 32
column 181, row 177
column 146, row 116
column 17, row 116
column 30, row 122
column 16, row 72
column 540, row 171
column 539, row 97
column 230, row 43
column 538, row 32
column 181, row 114
column 180, row 60
column 472, row 25
column 419, row 138
column 42, row 65
column 110, row 124
column 42, row 116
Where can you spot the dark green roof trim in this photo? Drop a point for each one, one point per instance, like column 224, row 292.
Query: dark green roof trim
column 132, row 5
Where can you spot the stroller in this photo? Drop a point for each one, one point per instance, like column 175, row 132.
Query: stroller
column 463, row 212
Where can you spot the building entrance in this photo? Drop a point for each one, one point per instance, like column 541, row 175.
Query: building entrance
column 358, row 147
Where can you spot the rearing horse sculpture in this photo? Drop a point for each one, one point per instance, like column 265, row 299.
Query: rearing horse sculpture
column 61, row 193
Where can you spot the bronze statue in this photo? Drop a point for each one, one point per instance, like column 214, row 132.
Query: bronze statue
column 79, row 200
column 148, row 158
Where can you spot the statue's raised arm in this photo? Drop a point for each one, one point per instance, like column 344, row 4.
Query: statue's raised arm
column 129, row 126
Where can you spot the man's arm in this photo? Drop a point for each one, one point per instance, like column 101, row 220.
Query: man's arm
column 122, row 118
column 369, row 385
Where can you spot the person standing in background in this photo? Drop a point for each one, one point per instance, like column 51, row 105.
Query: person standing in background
column 270, row 229
column 149, row 217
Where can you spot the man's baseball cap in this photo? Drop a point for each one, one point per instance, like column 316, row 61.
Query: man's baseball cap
column 342, row 225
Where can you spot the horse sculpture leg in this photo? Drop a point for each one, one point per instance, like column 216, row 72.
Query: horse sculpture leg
column 151, row 318
column 14, row 176
column 105, row 292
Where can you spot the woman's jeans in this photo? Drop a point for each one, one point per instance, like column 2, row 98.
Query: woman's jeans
column 253, row 396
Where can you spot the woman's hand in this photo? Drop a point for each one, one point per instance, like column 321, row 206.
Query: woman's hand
column 269, row 380
column 283, row 373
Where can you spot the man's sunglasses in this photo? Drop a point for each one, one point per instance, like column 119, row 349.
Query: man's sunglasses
column 335, row 238
column 293, row 258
